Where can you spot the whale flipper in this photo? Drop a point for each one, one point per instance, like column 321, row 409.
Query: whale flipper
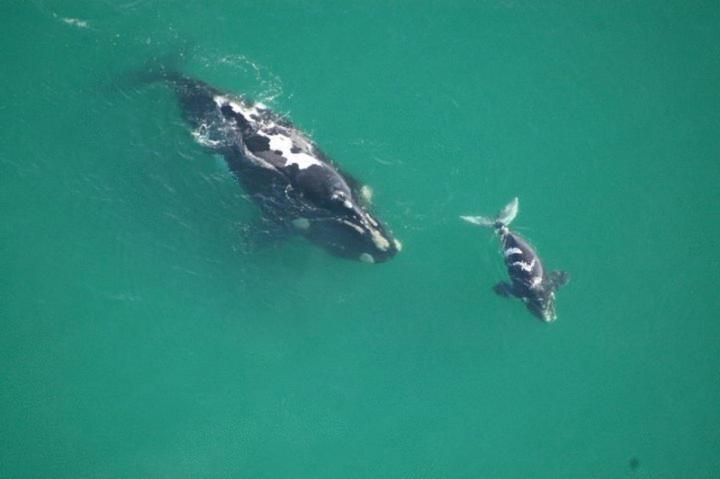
column 504, row 289
column 262, row 233
column 558, row 278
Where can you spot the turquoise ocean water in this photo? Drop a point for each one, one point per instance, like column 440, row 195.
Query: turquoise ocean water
column 141, row 336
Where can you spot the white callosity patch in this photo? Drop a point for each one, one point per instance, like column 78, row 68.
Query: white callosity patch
column 353, row 226
column 301, row 223
column 371, row 220
column 512, row 251
column 380, row 241
column 535, row 282
column 278, row 142
column 367, row 258
column 367, row 193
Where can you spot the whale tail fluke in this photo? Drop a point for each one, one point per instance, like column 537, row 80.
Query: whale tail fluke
column 165, row 67
column 156, row 69
column 503, row 218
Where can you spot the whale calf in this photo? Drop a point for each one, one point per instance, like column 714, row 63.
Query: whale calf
column 294, row 184
column 528, row 278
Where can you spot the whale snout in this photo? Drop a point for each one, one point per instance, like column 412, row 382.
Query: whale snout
column 375, row 243
column 381, row 251
column 543, row 306
column 548, row 315
column 357, row 238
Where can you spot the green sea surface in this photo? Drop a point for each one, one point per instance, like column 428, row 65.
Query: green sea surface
column 142, row 335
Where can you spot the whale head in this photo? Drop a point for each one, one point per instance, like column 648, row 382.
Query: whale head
column 339, row 216
column 346, row 228
column 542, row 305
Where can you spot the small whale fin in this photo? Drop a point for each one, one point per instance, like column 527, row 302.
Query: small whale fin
column 559, row 278
column 503, row 289
column 504, row 217
column 263, row 233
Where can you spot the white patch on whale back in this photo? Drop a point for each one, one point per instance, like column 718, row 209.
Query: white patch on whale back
column 398, row 245
column 244, row 111
column 278, row 141
column 512, row 251
column 525, row 266
column 220, row 100
column 247, row 111
column 283, row 144
column 535, row 282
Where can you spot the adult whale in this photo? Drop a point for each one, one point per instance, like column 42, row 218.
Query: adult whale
column 295, row 185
